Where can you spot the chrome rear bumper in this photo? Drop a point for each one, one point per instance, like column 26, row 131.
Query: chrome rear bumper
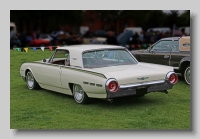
column 140, row 88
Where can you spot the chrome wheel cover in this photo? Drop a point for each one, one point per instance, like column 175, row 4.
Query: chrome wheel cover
column 30, row 80
column 187, row 75
column 78, row 93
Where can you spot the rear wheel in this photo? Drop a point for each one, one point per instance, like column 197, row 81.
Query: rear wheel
column 186, row 75
column 31, row 82
column 79, row 95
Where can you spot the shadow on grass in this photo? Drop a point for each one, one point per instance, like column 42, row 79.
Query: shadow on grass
column 127, row 101
column 181, row 79
column 121, row 101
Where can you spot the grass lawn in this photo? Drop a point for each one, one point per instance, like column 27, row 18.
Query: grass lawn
column 43, row 109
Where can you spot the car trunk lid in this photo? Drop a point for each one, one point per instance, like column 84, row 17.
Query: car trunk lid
column 137, row 73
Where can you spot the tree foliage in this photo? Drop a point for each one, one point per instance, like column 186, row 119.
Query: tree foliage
column 184, row 19
column 52, row 19
column 49, row 18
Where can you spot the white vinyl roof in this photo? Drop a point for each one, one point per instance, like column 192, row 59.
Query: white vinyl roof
column 76, row 51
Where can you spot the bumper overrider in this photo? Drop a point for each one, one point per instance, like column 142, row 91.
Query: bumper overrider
column 139, row 89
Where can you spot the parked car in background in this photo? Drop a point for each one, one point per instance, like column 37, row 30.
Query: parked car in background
column 97, row 71
column 14, row 43
column 98, row 40
column 173, row 51
column 43, row 40
column 124, row 37
column 186, row 29
column 162, row 29
column 134, row 29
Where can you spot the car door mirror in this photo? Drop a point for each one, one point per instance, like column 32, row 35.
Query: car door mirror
column 148, row 49
column 44, row 60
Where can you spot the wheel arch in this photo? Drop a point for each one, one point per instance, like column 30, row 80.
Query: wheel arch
column 184, row 64
column 29, row 69
column 71, row 87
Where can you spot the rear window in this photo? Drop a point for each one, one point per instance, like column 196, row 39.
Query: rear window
column 106, row 58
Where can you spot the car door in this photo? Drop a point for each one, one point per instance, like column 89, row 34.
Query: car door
column 51, row 70
column 49, row 75
column 176, row 55
column 158, row 54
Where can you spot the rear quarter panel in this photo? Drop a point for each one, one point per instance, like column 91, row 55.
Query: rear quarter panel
column 92, row 83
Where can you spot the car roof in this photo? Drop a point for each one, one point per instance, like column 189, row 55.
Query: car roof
column 174, row 38
column 87, row 47
column 170, row 38
column 77, row 50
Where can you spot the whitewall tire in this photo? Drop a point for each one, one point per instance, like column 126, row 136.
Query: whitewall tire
column 79, row 94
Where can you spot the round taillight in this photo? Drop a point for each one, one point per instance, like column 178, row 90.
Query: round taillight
column 173, row 78
column 112, row 85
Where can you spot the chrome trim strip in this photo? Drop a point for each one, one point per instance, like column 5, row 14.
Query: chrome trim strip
column 132, row 56
column 142, row 84
column 176, row 68
column 53, row 86
column 73, row 68
column 110, row 80
column 168, row 74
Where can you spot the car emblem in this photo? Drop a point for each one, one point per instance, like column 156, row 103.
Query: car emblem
column 143, row 78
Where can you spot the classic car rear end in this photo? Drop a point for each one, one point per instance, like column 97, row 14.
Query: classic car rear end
column 133, row 79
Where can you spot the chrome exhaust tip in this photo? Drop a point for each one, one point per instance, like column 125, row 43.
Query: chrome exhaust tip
column 110, row 100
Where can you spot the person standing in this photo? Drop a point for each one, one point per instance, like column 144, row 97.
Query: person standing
column 22, row 38
column 12, row 33
column 111, row 39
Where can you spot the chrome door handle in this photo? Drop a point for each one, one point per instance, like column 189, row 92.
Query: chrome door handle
column 166, row 56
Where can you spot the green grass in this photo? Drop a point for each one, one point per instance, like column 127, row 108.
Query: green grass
column 43, row 109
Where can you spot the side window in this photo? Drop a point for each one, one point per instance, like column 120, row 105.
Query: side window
column 175, row 46
column 60, row 57
column 166, row 46
column 157, row 46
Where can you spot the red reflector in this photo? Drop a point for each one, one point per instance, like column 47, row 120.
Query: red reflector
column 113, row 86
column 173, row 78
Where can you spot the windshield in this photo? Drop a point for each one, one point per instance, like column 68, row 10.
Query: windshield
column 106, row 58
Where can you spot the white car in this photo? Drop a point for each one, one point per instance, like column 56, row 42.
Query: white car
column 97, row 71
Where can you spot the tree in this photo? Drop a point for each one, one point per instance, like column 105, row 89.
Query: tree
column 48, row 19
column 184, row 19
column 172, row 18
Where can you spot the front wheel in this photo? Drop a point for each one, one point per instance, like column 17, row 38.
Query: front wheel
column 31, row 82
column 187, row 75
column 79, row 95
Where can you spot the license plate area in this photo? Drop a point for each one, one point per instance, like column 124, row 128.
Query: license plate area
column 141, row 90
